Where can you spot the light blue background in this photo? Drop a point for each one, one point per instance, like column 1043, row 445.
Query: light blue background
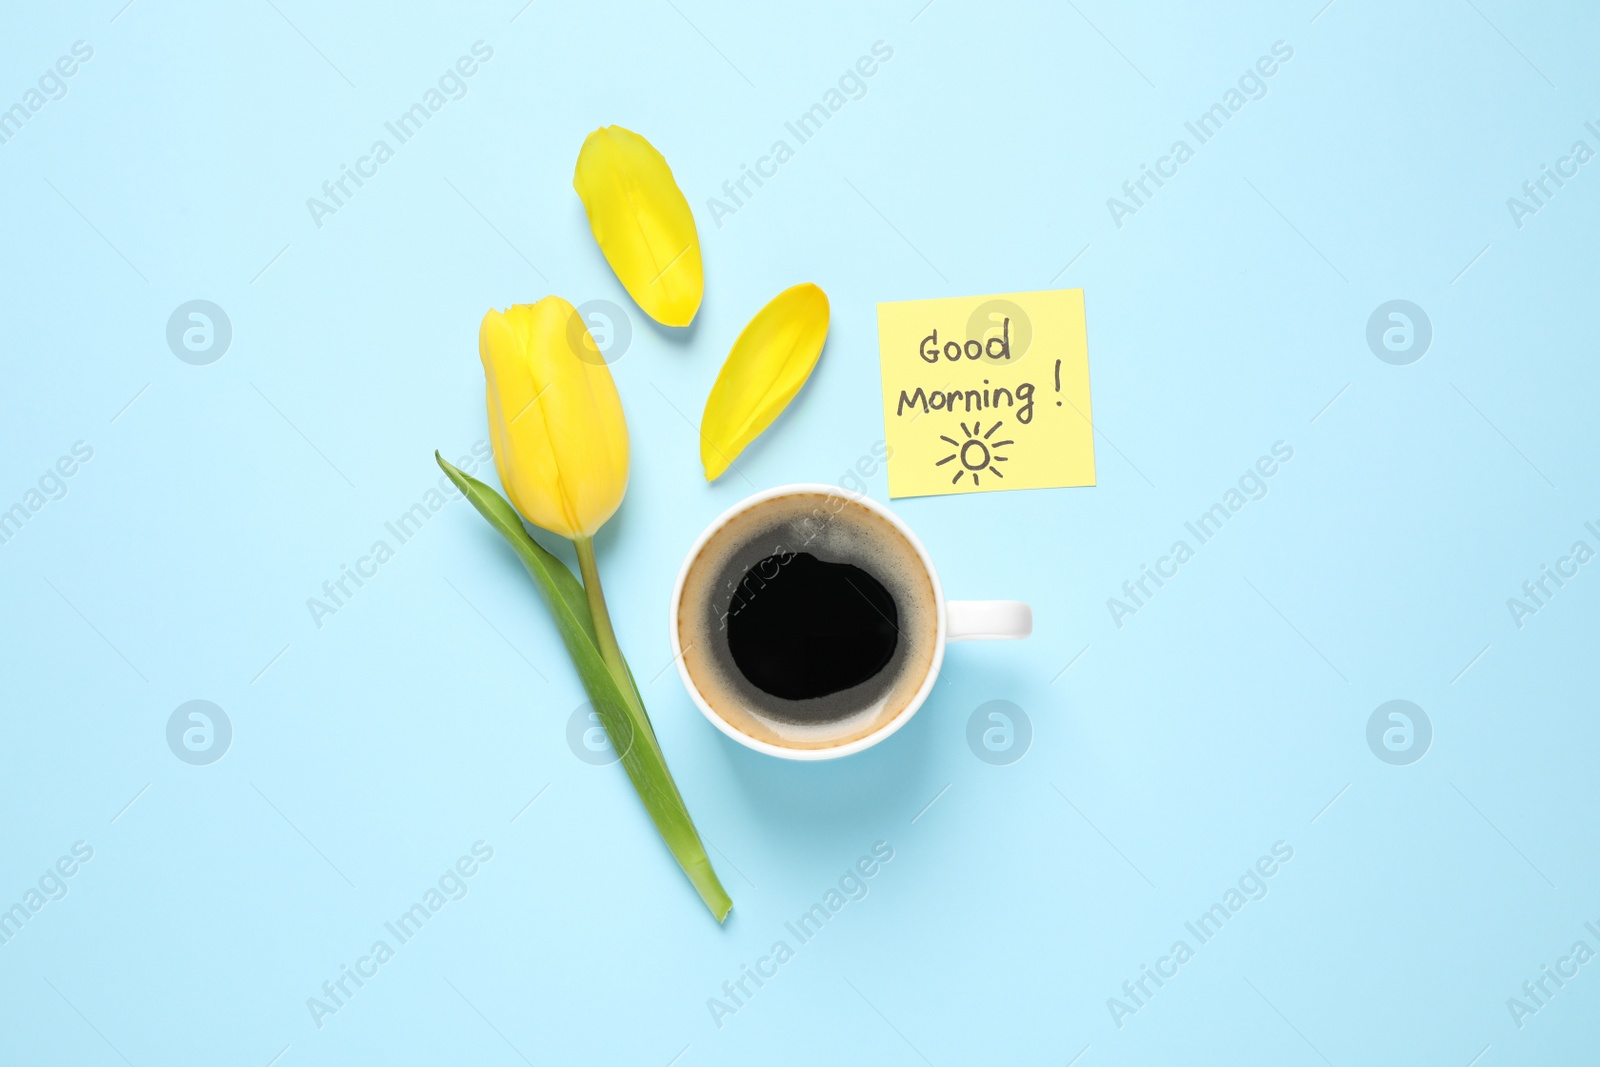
column 1226, row 715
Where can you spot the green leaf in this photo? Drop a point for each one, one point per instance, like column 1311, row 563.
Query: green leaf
column 625, row 722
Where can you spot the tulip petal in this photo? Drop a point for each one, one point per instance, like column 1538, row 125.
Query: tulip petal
column 556, row 423
column 642, row 223
column 769, row 363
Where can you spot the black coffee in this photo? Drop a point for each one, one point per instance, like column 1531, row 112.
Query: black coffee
column 808, row 621
column 801, row 628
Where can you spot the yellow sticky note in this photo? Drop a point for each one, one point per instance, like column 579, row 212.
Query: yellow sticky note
column 983, row 393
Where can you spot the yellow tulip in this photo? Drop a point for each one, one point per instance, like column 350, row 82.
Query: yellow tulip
column 555, row 420
column 561, row 449
column 642, row 223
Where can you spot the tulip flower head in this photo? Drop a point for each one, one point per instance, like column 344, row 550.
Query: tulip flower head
column 555, row 420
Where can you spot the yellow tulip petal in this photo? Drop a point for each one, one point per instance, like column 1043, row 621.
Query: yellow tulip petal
column 769, row 363
column 555, row 420
column 642, row 223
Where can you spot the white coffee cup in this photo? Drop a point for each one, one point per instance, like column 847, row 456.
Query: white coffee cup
column 957, row 620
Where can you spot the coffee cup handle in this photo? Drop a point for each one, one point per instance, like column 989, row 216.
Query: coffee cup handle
column 987, row 620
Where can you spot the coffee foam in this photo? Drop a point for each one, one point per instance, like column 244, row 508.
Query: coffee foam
column 835, row 529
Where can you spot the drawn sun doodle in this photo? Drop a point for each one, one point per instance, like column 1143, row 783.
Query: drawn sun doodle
column 978, row 454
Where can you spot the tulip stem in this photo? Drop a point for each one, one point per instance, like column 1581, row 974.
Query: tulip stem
column 605, row 636
column 682, row 838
